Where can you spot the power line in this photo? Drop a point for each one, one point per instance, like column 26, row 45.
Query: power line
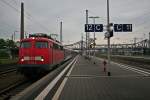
column 28, row 16
column 141, row 23
column 4, row 23
column 14, row 1
column 10, row 6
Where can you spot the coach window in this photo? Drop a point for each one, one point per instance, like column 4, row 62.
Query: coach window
column 41, row 44
column 25, row 44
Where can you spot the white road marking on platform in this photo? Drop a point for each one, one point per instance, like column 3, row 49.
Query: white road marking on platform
column 58, row 92
column 99, row 76
column 44, row 93
column 133, row 69
column 130, row 68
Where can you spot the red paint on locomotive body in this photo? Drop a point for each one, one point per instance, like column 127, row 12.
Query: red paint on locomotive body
column 39, row 52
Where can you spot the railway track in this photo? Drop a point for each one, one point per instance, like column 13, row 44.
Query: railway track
column 5, row 69
column 17, row 87
column 13, row 89
column 11, row 81
column 8, row 71
column 54, row 78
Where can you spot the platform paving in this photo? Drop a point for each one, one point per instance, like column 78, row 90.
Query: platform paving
column 88, row 81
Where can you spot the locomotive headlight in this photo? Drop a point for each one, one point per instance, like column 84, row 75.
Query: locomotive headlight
column 42, row 59
column 22, row 59
column 33, row 38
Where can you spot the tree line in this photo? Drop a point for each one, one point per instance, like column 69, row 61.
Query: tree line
column 8, row 48
column 4, row 44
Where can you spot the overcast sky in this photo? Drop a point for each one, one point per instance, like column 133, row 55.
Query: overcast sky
column 45, row 16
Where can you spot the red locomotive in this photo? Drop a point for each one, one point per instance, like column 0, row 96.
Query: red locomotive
column 39, row 53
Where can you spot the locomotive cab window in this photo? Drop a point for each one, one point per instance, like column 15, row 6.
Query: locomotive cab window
column 25, row 44
column 41, row 44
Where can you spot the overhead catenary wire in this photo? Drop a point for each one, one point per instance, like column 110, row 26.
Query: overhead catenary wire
column 27, row 15
column 142, row 23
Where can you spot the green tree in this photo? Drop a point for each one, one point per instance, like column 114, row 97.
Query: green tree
column 4, row 54
column 10, row 43
column 2, row 44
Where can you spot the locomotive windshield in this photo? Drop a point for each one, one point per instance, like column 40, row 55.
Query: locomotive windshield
column 25, row 44
column 41, row 44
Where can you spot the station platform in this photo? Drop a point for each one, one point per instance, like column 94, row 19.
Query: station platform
column 88, row 81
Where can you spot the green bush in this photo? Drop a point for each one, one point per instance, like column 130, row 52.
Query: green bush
column 4, row 54
column 8, row 61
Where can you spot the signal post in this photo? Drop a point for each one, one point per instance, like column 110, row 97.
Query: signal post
column 110, row 27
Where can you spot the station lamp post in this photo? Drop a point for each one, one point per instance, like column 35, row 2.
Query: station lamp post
column 110, row 33
column 149, row 40
column 94, row 17
column 14, row 35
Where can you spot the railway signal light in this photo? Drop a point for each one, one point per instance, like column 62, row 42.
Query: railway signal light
column 111, row 33
column 110, row 30
column 91, row 45
column 94, row 44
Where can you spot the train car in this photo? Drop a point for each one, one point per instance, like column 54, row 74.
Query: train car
column 39, row 53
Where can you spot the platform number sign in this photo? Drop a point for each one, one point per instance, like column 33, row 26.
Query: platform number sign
column 127, row 27
column 123, row 27
column 93, row 27
column 98, row 27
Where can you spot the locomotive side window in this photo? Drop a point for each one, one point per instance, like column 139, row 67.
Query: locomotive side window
column 25, row 44
column 55, row 46
column 61, row 48
column 58, row 47
column 41, row 44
